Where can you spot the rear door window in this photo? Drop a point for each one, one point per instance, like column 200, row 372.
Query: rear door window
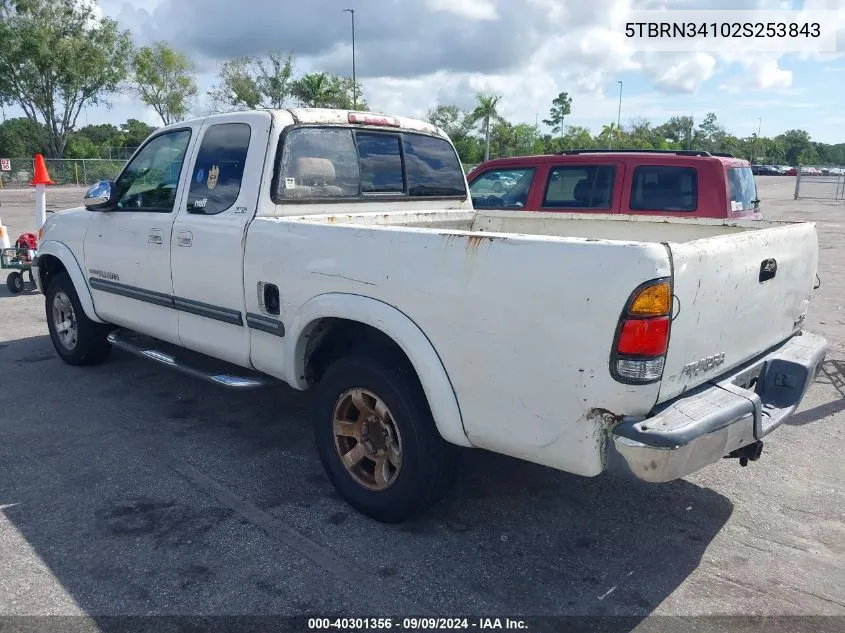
column 502, row 188
column 664, row 188
column 743, row 190
column 219, row 168
column 580, row 187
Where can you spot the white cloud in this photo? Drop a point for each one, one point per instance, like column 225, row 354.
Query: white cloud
column 768, row 76
column 471, row 9
column 685, row 75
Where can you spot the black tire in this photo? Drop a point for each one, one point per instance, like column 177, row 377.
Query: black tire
column 90, row 346
column 427, row 460
column 14, row 282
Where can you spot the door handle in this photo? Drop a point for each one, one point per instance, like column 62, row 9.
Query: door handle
column 154, row 237
column 184, row 238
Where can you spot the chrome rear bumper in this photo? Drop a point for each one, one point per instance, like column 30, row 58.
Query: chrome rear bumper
column 722, row 416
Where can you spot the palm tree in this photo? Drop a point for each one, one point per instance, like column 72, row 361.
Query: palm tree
column 314, row 90
column 486, row 111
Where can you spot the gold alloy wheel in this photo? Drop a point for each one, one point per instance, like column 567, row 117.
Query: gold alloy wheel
column 367, row 439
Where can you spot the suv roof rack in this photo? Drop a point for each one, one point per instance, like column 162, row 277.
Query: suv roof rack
column 677, row 152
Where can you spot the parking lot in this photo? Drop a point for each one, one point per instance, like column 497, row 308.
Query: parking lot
column 126, row 489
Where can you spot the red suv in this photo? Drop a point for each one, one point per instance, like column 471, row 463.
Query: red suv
column 682, row 183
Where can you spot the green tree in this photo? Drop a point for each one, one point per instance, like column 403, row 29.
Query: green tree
column 711, row 132
column 325, row 90
column 502, row 140
column 164, row 80
column 458, row 125
column 486, row 112
column 796, row 146
column 22, row 137
column 103, row 135
column 314, row 90
column 135, row 132
column 561, row 107
column 448, row 118
column 80, row 146
column 57, row 57
column 523, row 139
column 254, row 82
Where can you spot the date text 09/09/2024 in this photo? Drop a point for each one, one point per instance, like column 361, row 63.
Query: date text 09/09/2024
column 415, row 624
column 723, row 29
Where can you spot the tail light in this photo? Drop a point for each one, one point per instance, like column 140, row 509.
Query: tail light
column 642, row 336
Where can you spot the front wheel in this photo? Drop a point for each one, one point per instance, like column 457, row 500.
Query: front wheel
column 377, row 439
column 78, row 340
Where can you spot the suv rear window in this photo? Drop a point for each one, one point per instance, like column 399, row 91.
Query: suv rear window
column 342, row 163
column 743, row 190
column 662, row 188
column 580, row 186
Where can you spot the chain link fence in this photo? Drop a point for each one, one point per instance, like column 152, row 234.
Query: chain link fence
column 820, row 182
column 63, row 171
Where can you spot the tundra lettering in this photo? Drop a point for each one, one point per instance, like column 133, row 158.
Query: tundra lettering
column 705, row 364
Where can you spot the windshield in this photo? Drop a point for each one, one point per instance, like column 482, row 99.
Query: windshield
column 501, row 189
column 743, row 191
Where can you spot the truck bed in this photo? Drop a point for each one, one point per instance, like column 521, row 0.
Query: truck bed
column 522, row 308
column 625, row 228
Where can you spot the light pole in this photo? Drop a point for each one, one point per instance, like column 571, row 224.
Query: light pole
column 757, row 139
column 354, row 81
column 618, row 114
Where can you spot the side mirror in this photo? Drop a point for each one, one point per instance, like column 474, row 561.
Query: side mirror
column 99, row 196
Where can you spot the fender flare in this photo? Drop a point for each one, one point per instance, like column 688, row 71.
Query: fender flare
column 398, row 326
column 61, row 252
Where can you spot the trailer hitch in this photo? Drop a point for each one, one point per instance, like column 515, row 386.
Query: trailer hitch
column 749, row 452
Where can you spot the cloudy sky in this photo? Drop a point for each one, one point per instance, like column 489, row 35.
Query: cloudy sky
column 413, row 54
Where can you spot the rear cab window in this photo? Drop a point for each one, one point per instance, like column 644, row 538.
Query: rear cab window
column 664, row 188
column 580, row 187
column 743, row 191
column 505, row 188
column 338, row 163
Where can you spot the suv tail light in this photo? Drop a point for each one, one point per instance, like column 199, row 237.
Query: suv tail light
column 642, row 336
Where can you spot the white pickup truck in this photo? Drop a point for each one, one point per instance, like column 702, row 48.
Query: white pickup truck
column 339, row 251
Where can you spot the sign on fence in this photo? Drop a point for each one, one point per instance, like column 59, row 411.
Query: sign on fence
column 5, row 164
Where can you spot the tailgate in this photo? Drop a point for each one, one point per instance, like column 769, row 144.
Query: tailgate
column 736, row 296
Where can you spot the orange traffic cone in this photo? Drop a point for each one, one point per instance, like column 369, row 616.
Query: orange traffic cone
column 41, row 176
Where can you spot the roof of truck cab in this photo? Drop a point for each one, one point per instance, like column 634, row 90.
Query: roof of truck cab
column 330, row 116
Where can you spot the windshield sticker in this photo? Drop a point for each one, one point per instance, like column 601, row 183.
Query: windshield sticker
column 200, row 204
column 200, row 175
column 290, row 183
column 213, row 173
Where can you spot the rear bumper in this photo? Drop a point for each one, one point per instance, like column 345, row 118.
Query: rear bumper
column 710, row 422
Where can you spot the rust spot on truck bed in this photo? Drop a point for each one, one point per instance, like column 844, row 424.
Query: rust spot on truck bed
column 474, row 241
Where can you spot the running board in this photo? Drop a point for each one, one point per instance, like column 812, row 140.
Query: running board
column 193, row 363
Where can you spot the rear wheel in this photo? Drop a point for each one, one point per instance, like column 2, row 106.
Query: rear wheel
column 14, row 282
column 377, row 439
column 78, row 340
